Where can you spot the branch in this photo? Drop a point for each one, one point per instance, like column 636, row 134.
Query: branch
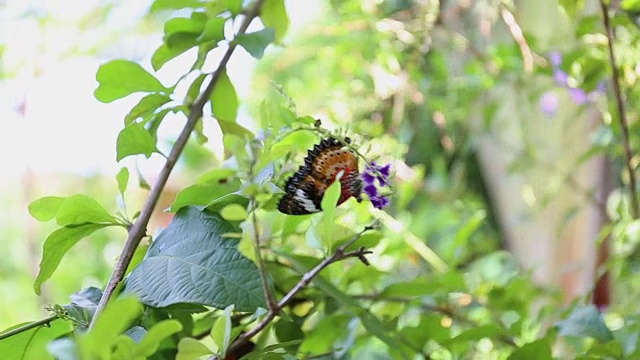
column 268, row 296
column 338, row 255
column 139, row 229
column 35, row 324
column 624, row 125
column 518, row 36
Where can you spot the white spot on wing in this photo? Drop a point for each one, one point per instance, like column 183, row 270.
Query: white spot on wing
column 303, row 199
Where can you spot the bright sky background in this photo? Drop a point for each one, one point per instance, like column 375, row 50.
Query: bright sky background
column 64, row 129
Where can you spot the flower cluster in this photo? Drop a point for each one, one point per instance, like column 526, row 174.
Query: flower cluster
column 380, row 173
column 549, row 101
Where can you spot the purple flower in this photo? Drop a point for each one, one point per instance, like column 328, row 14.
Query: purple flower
column 372, row 173
column 549, row 103
column 560, row 77
column 578, row 96
column 555, row 58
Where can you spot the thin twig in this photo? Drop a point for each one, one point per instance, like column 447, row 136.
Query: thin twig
column 35, row 324
column 338, row 255
column 139, row 229
column 622, row 116
column 268, row 296
column 518, row 36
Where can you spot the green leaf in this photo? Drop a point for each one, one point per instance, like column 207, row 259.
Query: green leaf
column 328, row 205
column 81, row 209
column 194, row 88
column 184, row 25
column 234, row 212
column 151, row 341
column 45, row 208
column 174, row 45
column 191, row 349
column 233, row 5
column 32, row 344
column 175, row 4
column 134, row 139
column 478, row 332
column 224, row 100
column 146, row 106
column 274, row 15
column 191, row 262
column 630, row 5
column 256, row 42
column 203, row 194
column 221, row 330
column 123, row 179
column 120, row 78
column 585, row 321
column 539, row 349
column 113, row 321
column 56, row 245
column 213, row 30
column 229, row 127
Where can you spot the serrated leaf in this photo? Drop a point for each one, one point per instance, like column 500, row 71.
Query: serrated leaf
column 540, row 349
column 147, row 105
column 120, row 78
column 151, row 341
column 56, row 245
column 274, row 15
column 32, row 344
column 256, row 42
column 45, row 208
column 224, row 100
column 191, row 262
column 123, row 179
column 82, row 209
column 213, row 30
column 190, row 349
column 585, row 321
column 134, row 139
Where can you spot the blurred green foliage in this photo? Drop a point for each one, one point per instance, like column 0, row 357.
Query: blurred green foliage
column 398, row 80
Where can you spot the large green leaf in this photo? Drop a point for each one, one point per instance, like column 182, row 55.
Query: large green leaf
column 224, row 100
column 134, row 139
column 176, row 44
column 256, row 42
column 191, row 262
column 82, row 209
column 56, row 245
column 119, row 78
column 274, row 15
column 205, row 193
column 585, row 321
column 31, row 344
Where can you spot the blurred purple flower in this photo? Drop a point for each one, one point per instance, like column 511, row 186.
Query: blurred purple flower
column 560, row 77
column 549, row 103
column 555, row 58
column 579, row 96
column 369, row 176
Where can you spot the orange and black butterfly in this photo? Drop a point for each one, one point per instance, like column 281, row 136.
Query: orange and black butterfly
column 305, row 189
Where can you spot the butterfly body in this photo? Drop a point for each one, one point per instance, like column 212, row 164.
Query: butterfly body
column 305, row 189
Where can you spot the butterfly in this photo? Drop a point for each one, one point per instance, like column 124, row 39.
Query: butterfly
column 304, row 189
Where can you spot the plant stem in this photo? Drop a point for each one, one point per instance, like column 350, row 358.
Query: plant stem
column 29, row 326
column 338, row 255
column 268, row 296
column 139, row 229
column 622, row 116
